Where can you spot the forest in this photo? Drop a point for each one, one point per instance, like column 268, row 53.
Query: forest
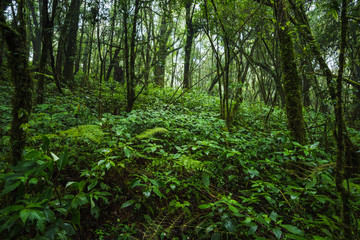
column 180, row 119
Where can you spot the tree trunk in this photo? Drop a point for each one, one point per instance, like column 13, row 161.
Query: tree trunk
column 82, row 30
column 72, row 23
column 162, row 53
column 131, row 82
column 47, row 34
column 340, row 163
column 351, row 150
column 188, row 44
column 35, row 32
column 291, row 79
column 20, row 76
column 112, row 31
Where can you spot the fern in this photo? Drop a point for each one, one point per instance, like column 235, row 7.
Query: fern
column 151, row 132
column 91, row 132
column 191, row 165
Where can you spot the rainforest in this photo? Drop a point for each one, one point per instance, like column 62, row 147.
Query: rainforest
column 180, row 119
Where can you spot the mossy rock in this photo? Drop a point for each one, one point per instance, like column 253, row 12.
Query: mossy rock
column 151, row 132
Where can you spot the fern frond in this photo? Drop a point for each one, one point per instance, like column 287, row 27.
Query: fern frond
column 91, row 132
column 151, row 132
column 190, row 164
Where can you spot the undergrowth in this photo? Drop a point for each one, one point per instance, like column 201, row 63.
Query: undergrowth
column 170, row 169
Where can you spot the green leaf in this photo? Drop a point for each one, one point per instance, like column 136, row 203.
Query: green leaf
column 324, row 199
column 69, row 184
column 205, row 206
column 253, row 228
column 154, row 182
column 127, row 203
column 229, row 225
column 95, row 211
column 75, row 217
column 277, row 232
column 64, row 158
column 24, row 214
column 206, row 180
column 10, row 188
column 33, row 181
column 157, row 192
column 233, row 209
column 273, row 216
column 292, row 229
column 46, row 143
column 127, row 152
column 41, row 225
column 39, row 216
column 335, row 14
column 11, row 208
column 92, row 184
column 79, row 200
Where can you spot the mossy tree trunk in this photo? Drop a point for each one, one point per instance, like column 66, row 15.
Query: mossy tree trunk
column 15, row 39
column 340, row 163
column 166, row 27
column 291, row 78
column 351, row 150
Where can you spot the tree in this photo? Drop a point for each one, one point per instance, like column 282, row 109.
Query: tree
column 291, row 79
column 46, row 50
column 129, row 52
column 166, row 27
column 15, row 38
column 340, row 163
column 190, row 32
column 351, row 150
column 35, row 30
column 67, row 44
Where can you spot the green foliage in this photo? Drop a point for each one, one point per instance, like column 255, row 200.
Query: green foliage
column 171, row 171
column 92, row 132
column 151, row 132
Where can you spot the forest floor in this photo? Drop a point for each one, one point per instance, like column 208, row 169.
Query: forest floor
column 170, row 171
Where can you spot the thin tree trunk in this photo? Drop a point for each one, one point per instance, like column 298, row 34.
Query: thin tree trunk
column 82, row 30
column 189, row 40
column 131, row 80
column 47, row 35
column 35, row 30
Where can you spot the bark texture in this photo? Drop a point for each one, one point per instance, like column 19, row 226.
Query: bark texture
column 291, row 78
column 20, row 76
column 340, row 128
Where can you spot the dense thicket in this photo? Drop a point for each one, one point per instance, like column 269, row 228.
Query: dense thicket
column 179, row 119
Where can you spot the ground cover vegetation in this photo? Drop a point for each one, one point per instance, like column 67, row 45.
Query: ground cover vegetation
column 132, row 119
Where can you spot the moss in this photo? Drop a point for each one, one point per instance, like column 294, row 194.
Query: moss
column 291, row 79
column 151, row 132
